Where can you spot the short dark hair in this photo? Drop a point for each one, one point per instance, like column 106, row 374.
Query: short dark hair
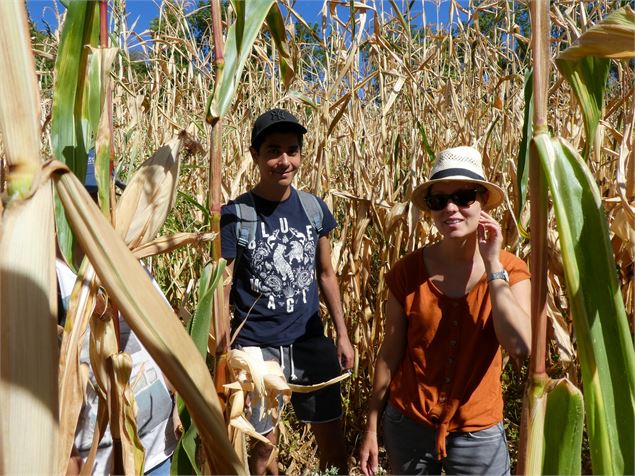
column 277, row 128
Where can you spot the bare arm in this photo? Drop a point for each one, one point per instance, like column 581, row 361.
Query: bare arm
column 511, row 320
column 510, row 304
column 388, row 360
column 329, row 287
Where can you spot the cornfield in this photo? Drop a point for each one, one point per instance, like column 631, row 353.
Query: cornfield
column 380, row 89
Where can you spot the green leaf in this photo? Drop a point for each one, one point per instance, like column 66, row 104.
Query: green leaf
column 426, row 143
column 100, row 65
column 522, row 169
column 199, row 328
column 240, row 38
column 200, row 324
column 184, row 457
column 554, row 424
column 275, row 22
column 73, row 96
column 587, row 77
column 605, row 345
column 192, row 201
column 564, row 423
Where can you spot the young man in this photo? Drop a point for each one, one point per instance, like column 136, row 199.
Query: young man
column 277, row 266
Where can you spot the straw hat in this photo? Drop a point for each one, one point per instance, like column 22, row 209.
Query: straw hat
column 459, row 164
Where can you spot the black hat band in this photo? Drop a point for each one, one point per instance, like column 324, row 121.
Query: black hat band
column 457, row 171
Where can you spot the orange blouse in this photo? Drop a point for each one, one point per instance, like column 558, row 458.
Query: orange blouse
column 449, row 377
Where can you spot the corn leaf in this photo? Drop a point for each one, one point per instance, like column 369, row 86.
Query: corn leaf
column 587, row 77
column 199, row 328
column 275, row 22
column 123, row 421
column 554, row 419
column 522, row 169
column 100, row 65
column 564, row 422
column 240, row 38
column 586, row 64
column 74, row 101
column 604, row 341
column 71, row 384
column 610, row 38
column 167, row 244
column 150, row 318
column 184, row 456
column 19, row 97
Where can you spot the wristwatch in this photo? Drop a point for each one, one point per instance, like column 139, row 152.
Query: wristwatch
column 498, row 275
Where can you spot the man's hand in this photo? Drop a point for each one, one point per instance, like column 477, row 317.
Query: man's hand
column 345, row 352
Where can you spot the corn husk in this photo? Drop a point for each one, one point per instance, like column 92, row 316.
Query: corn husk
column 150, row 195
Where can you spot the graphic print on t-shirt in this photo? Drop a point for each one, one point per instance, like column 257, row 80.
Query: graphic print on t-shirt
column 283, row 265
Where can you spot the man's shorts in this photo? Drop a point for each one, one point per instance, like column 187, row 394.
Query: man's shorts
column 307, row 362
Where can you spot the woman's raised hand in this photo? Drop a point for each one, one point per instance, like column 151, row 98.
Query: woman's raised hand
column 490, row 240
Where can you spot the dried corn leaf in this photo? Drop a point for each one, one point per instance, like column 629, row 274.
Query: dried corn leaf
column 167, row 244
column 611, row 38
column 123, row 421
column 71, row 383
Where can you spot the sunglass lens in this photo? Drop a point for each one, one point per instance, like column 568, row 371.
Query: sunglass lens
column 463, row 198
column 436, row 202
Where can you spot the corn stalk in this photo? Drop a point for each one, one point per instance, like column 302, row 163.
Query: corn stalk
column 28, row 347
column 604, row 342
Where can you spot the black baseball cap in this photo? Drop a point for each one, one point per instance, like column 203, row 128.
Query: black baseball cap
column 275, row 117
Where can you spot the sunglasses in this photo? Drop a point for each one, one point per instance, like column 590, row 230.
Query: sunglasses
column 461, row 198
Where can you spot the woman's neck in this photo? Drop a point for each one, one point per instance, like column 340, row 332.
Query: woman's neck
column 459, row 250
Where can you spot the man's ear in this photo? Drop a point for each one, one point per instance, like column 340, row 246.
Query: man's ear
column 254, row 153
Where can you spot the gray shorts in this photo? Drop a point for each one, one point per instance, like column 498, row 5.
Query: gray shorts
column 411, row 448
column 307, row 362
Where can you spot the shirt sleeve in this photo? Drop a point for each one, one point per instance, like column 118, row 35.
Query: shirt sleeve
column 516, row 268
column 228, row 240
column 405, row 275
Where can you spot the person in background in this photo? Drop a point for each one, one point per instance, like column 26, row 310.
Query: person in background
column 451, row 306
column 157, row 424
column 279, row 256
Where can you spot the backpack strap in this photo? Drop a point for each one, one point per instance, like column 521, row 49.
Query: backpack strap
column 246, row 223
column 312, row 209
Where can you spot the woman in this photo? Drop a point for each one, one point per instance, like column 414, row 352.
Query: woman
column 451, row 306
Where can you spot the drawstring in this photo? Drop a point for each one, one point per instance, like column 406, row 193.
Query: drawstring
column 292, row 376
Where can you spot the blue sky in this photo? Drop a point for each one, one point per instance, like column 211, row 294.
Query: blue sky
column 42, row 11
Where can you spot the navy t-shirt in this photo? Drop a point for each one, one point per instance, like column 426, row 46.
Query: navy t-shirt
column 274, row 287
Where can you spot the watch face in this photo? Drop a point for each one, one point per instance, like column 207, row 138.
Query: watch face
column 498, row 275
